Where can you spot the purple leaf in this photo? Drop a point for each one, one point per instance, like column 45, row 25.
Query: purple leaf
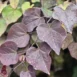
column 29, row 73
column 67, row 41
column 39, row 58
column 10, row 44
column 35, row 11
column 68, row 17
column 8, row 54
column 73, row 50
column 18, row 34
column 45, row 47
column 53, row 35
column 32, row 18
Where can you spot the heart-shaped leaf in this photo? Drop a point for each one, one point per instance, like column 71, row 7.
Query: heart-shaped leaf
column 32, row 18
column 8, row 54
column 18, row 34
column 39, row 58
column 53, row 36
column 10, row 14
column 68, row 17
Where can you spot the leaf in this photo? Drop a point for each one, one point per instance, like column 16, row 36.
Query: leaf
column 39, row 58
column 46, row 12
column 60, row 2
column 3, row 26
column 25, row 6
column 47, row 7
column 35, row 11
column 8, row 54
column 14, row 3
column 11, row 15
column 48, row 3
column 18, row 34
column 32, row 18
column 73, row 50
column 65, row 5
column 21, row 2
column 68, row 40
column 10, row 45
column 45, row 47
column 2, row 5
column 33, row 1
column 67, row 17
column 53, row 36
column 29, row 73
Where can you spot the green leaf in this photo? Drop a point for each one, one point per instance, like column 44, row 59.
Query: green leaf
column 47, row 7
column 20, row 3
column 14, row 3
column 3, row 26
column 48, row 3
column 11, row 15
column 65, row 5
column 33, row 1
column 2, row 5
column 26, row 5
column 60, row 2
column 46, row 12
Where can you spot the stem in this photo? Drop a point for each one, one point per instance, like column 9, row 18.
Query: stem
column 49, row 20
column 18, row 65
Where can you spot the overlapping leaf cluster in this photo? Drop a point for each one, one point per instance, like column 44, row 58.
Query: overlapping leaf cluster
column 28, row 34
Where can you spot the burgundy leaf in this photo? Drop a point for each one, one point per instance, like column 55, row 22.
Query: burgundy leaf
column 29, row 73
column 8, row 54
column 10, row 44
column 39, row 58
column 68, row 17
column 32, row 18
column 53, row 35
column 18, row 34
column 73, row 50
